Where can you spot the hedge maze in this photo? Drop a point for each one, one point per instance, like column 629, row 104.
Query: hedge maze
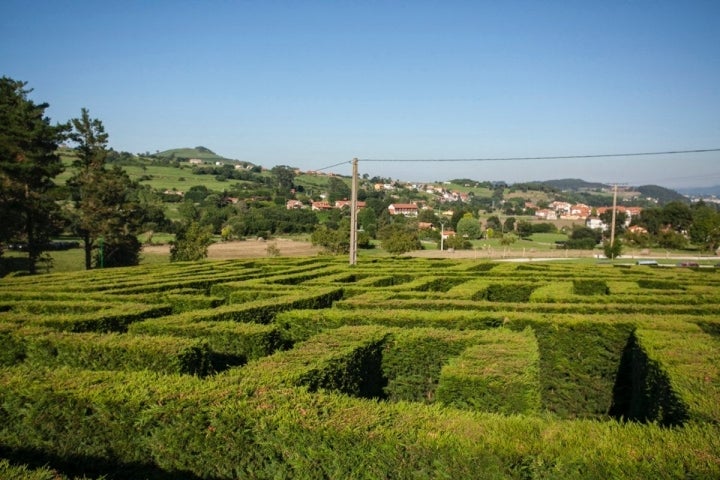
column 394, row 368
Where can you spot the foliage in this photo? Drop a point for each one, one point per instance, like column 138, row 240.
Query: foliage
column 671, row 239
column 106, row 201
column 590, row 287
column 661, row 194
column 500, row 374
column 613, row 250
column 583, row 238
column 468, row 227
column 398, row 238
column 337, row 189
column 493, row 223
column 335, row 241
column 620, row 218
column 524, row 229
column 577, row 386
column 457, row 242
column 283, row 178
column 191, row 243
column 705, row 228
column 28, row 164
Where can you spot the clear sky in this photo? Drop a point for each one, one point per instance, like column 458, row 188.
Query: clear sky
column 313, row 83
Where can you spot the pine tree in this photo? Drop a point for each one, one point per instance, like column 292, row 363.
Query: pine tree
column 107, row 209
column 28, row 164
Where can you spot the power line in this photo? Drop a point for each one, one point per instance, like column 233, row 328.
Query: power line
column 554, row 157
column 331, row 166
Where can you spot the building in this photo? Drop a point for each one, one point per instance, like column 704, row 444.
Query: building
column 294, row 205
column 595, row 224
column 346, row 203
column 319, row 206
column 407, row 209
column 546, row 214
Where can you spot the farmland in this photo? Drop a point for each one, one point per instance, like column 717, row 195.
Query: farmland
column 393, row 368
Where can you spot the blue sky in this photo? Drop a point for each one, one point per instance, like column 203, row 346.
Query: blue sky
column 314, row 83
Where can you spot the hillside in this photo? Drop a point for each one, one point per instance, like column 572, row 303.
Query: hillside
column 661, row 194
column 573, row 184
column 184, row 154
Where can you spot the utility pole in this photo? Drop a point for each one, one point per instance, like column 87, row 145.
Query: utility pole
column 612, row 224
column 353, row 213
column 442, row 235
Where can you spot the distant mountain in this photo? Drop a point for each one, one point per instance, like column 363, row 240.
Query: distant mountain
column 201, row 153
column 573, row 184
column 661, row 194
column 701, row 191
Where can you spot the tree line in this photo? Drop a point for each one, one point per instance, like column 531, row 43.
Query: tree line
column 100, row 204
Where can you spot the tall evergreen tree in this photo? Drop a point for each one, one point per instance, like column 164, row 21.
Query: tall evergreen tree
column 28, row 164
column 107, row 210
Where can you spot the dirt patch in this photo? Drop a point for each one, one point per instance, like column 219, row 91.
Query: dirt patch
column 248, row 249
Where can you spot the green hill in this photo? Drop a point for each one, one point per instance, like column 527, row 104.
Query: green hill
column 201, row 153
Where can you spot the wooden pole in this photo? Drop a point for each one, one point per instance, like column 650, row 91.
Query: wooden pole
column 612, row 226
column 353, row 213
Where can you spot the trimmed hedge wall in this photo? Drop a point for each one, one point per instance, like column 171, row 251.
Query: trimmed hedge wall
column 363, row 381
column 232, row 343
column 579, row 363
column 412, row 360
column 590, row 287
column 673, row 377
column 501, row 374
column 109, row 425
column 94, row 351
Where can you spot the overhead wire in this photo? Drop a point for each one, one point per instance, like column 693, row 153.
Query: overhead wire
column 551, row 157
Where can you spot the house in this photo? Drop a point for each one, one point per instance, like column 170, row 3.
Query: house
column 579, row 211
column 407, row 209
column 346, row 203
column 319, row 206
column 546, row 214
column 562, row 207
column 294, row 205
column 195, row 161
column 595, row 224
column 628, row 211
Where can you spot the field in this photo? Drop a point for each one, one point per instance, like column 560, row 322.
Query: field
column 289, row 367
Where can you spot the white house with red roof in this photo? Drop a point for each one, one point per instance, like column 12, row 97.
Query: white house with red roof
column 407, row 209
column 294, row 205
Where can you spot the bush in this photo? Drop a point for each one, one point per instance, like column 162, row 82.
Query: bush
column 590, row 287
column 501, row 374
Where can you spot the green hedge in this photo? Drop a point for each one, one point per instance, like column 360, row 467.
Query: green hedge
column 506, row 292
column 297, row 325
column 675, row 377
column 412, row 360
column 24, row 472
column 660, row 284
column 501, row 374
column 153, row 425
column 232, row 343
column 354, row 397
column 590, row 287
column 579, row 362
column 94, row 351
column 117, row 318
column 263, row 311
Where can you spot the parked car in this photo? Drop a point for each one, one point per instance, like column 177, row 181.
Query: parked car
column 647, row 262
